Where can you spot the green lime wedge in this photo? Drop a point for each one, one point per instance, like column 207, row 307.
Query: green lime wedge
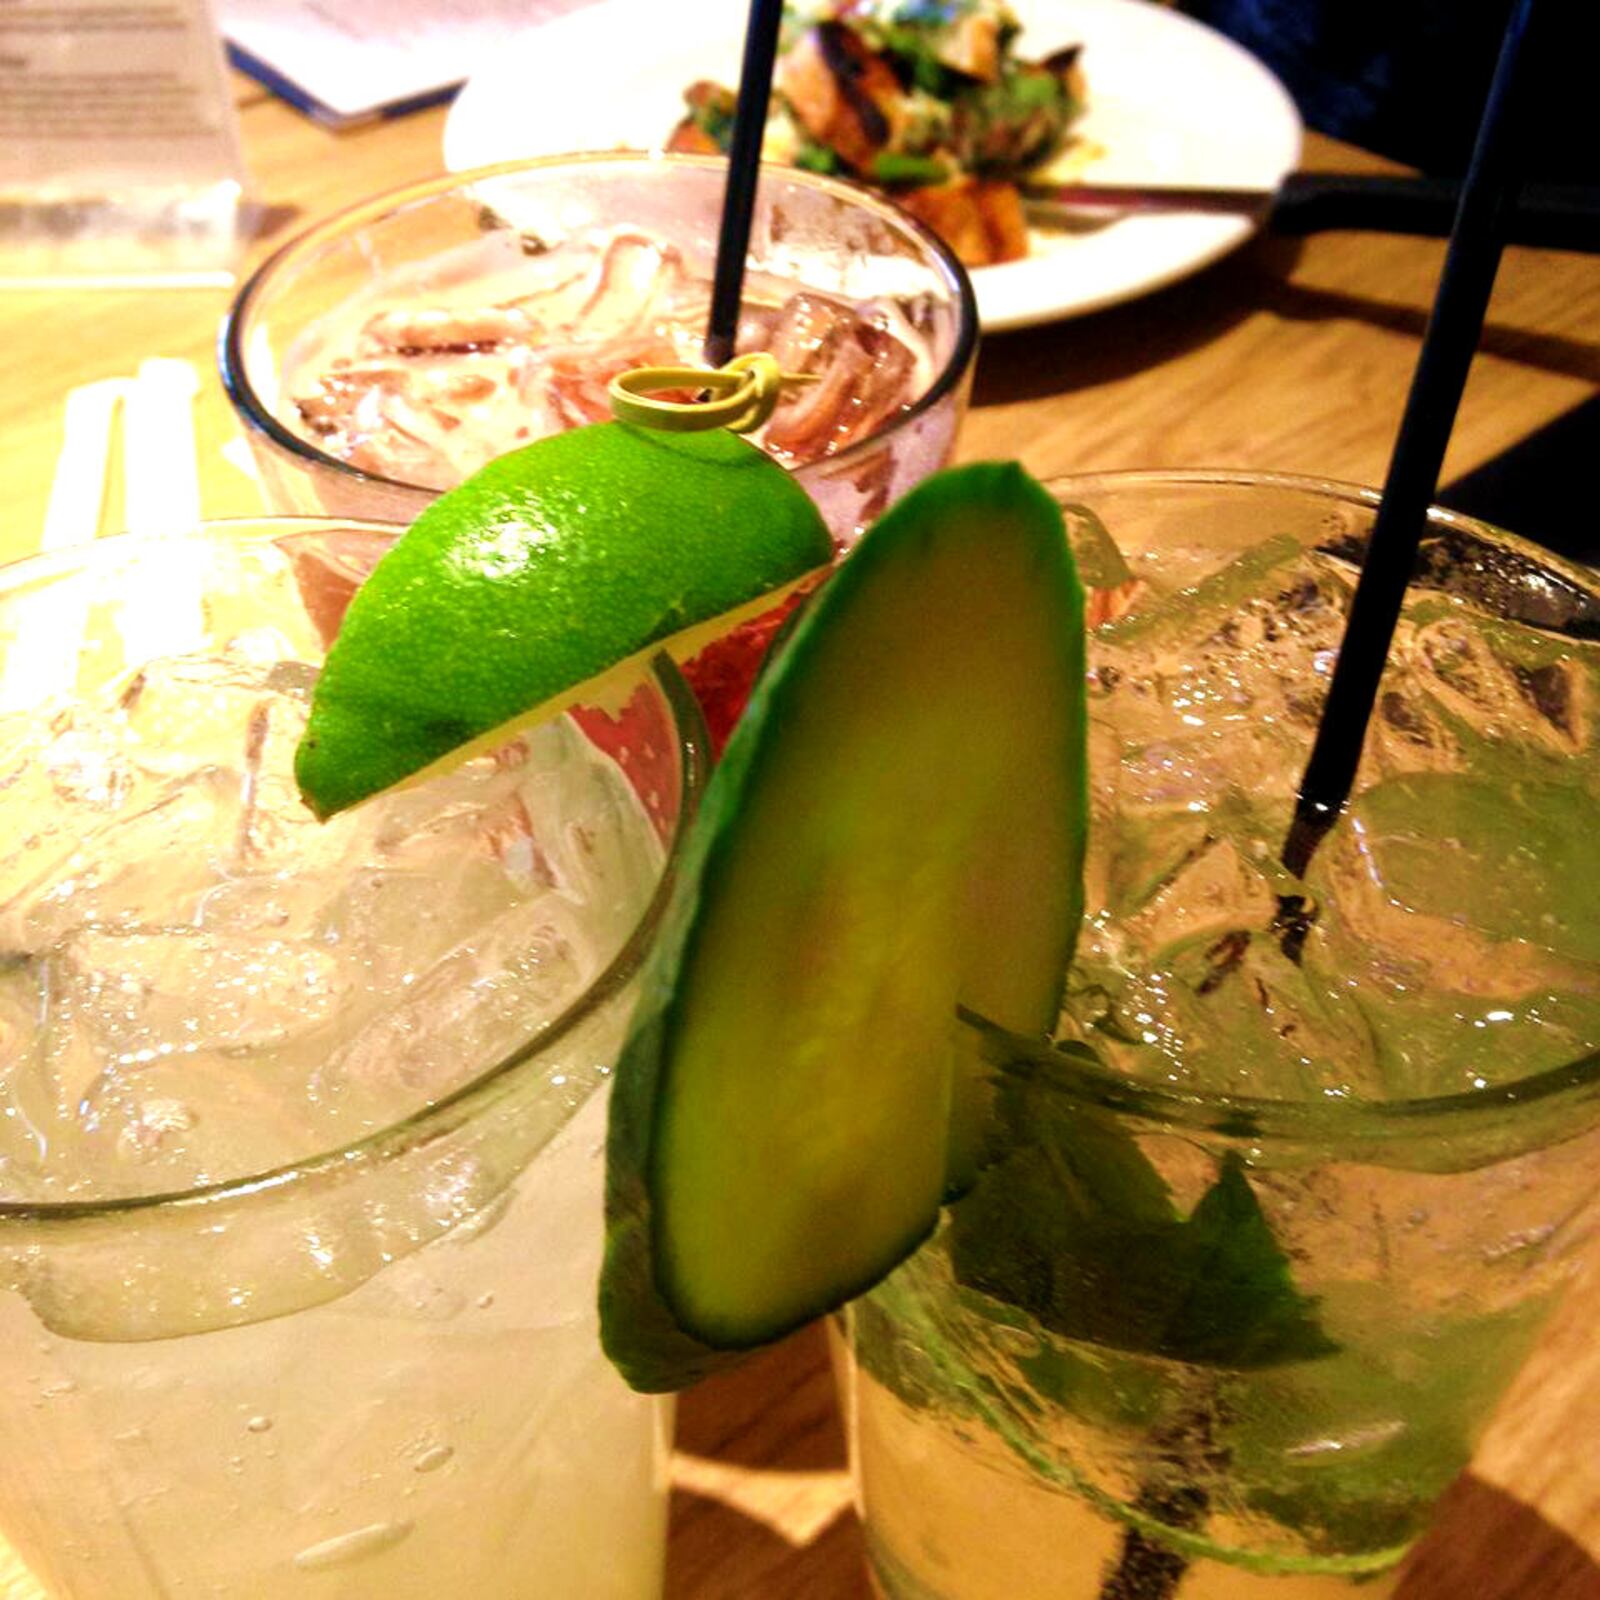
column 896, row 830
column 555, row 567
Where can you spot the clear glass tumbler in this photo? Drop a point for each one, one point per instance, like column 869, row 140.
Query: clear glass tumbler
column 385, row 353
column 301, row 1123
column 1270, row 1225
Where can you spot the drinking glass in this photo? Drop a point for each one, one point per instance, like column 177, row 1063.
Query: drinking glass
column 1270, row 1225
column 384, row 353
column 301, row 1123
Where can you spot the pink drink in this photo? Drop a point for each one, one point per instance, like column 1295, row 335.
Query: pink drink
column 429, row 394
column 381, row 357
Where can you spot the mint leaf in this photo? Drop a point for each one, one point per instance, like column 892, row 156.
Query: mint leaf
column 1239, row 1307
column 1070, row 1222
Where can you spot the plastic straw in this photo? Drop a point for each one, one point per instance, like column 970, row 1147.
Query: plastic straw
column 744, row 163
column 1448, row 345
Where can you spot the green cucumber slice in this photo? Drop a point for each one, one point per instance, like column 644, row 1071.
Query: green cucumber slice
column 896, row 829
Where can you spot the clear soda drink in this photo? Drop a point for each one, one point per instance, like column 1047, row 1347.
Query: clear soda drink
column 1273, row 1221
column 301, row 1124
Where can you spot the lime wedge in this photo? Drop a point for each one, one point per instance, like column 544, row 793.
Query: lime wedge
column 555, row 567
column 896, row 830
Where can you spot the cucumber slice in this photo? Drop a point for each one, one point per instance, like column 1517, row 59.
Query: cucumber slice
column 896, row 830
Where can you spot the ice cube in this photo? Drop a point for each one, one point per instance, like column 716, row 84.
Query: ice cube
column 800, row 329
column 1499, row 683
column 1206, row 692
column 1189, row 981
column 1447, row 938
column 330, row 407
column 179, row 1122
column 1457, row 913
column 864, row 375
column 177, row 976
column 122, row 999
column 413, row 896
column 158, row 786
column 397, row 435
column 631, row 288
column 439, row 330
column 567, row 385
column 167, row 852
column 27, row 1103
column 56, row 784
column 434, row 866
column 431, row 394
column 471, row 1009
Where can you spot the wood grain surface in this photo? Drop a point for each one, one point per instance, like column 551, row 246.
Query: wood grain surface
column 1290, row 356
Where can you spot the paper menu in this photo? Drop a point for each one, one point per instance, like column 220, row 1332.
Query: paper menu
column 119, row 149
column 102, row 90
column 344, row 61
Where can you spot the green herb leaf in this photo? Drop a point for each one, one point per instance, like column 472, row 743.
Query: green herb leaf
column 1071, row 1222
column 813, row 157
column 1239, row 1307
column 897, row 167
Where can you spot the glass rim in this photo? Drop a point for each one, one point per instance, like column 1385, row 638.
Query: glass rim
column 1334, row 490
column 231, row 339
column 428, row 1121
column 1314, row 486
column 1354, row 1126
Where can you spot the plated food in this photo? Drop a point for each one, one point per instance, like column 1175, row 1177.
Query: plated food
column 928, row 99
column 1170, row 101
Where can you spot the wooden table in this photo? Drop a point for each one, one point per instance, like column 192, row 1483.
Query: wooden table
column 1286, row 356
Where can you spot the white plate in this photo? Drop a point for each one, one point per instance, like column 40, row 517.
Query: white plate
column 1170, row 101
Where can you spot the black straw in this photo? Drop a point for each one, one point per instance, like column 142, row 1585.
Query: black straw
column 1470, row 264
column 744, row 163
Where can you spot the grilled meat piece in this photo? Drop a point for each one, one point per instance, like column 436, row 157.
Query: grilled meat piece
column 842, row 94
column 980, row 219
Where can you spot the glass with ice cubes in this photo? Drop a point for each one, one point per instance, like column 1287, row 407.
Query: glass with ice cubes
column 387, row 353
column 1266, row 1230
column 301, row 1123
